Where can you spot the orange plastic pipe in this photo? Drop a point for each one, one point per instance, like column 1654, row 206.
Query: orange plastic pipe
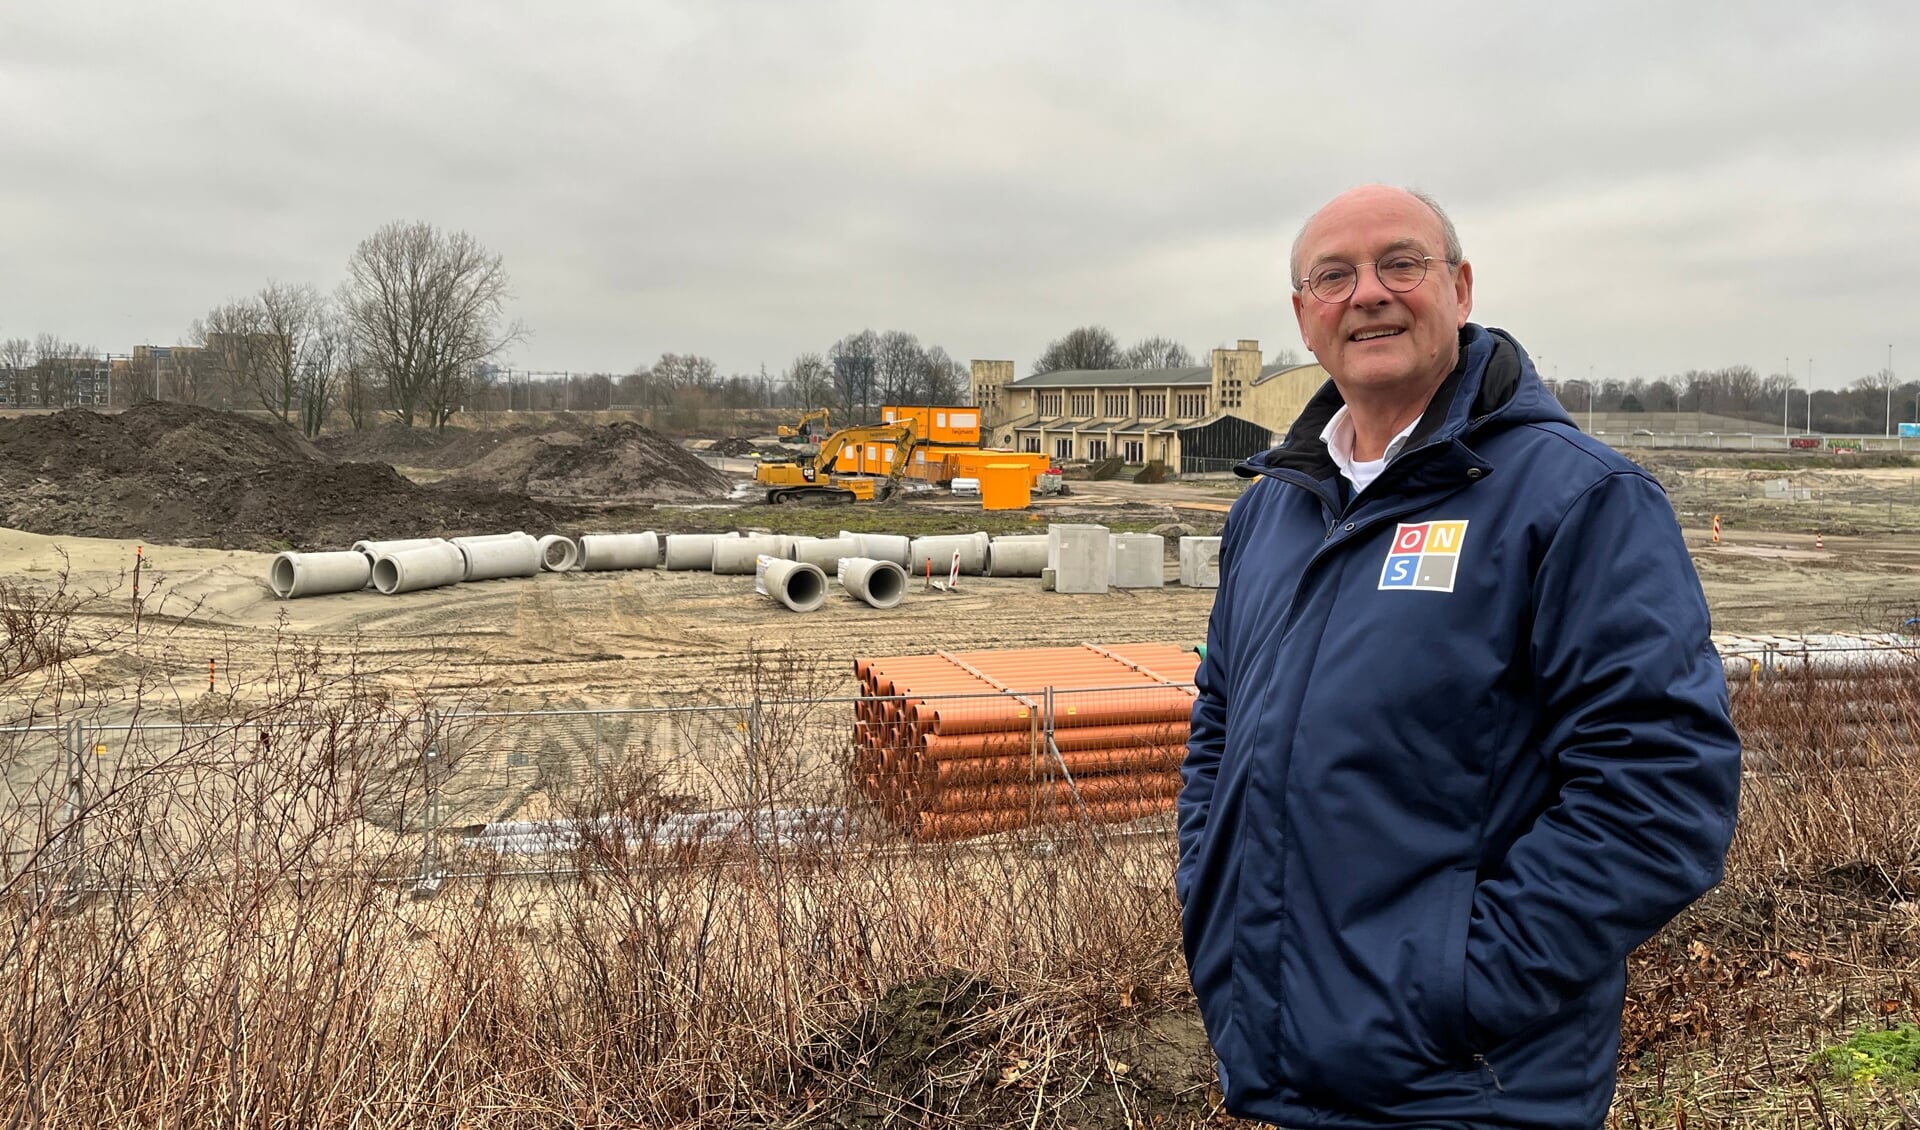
column 1026, row 770
column 1092, row 790
column 963, row 825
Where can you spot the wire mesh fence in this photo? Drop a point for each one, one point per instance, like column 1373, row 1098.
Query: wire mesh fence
column 124, row 805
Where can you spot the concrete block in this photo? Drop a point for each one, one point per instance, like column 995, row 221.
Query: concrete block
column 1138, row 561
column 1081, row 558
column 1200, row 563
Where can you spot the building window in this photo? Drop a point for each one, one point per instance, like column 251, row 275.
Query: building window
column 1063, row 447
column 1049, row 404
column 1153, row 406
column 1136, row 452
column 1116, row 406
column 1083, row 404
column 1096, row 449
column 1031, row 444
column 1192, row 405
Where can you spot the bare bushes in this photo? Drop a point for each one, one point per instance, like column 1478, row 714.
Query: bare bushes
column 215, row 922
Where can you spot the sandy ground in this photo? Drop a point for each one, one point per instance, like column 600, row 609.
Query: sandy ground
column 653, row 637
column 638, row 638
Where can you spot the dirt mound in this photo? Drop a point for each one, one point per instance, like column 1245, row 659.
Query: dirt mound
column 182, row 475
column 453, row 448
column 611, row 461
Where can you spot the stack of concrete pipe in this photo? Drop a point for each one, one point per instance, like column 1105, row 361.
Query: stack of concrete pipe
column 1068, row 558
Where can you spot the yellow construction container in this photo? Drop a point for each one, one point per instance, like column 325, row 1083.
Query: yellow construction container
column 1006, row 486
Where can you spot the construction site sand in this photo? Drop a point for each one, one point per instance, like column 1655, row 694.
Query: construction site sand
column 652, row 637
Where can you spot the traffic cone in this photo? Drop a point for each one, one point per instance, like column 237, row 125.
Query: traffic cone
column 1818, row 541
column 1716, row 529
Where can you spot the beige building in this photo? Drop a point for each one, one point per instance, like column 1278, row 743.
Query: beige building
column 1204, row 418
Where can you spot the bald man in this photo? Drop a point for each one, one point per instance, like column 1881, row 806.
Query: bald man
column 1461, row 740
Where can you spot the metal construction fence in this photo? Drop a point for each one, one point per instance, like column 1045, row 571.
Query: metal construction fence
column 107, row 804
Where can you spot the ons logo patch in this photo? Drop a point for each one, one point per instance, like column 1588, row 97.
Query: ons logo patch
column 1424, row 556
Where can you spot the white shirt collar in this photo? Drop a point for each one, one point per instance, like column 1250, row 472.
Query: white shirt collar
column 1339, row 435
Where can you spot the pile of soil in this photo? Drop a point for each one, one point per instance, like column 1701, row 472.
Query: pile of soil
column 447, row 449
column 181, row 475
column 621, row 460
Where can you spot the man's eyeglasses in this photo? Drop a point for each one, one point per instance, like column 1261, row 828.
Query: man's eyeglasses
column 1400, row 272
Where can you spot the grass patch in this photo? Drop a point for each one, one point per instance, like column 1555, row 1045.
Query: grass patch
column 1887, row 1057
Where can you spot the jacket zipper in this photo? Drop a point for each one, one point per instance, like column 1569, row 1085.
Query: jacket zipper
column 1494, row 1075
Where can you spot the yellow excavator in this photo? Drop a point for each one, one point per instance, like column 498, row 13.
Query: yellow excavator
column 813, row 480
column 799, row 430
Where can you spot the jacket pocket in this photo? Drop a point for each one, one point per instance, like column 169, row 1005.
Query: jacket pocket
column 1445, row 990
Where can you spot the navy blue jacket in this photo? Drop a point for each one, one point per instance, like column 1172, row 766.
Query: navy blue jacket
column 1461, row 743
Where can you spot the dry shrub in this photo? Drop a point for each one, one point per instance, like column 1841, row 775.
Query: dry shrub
column 1813, row 935
column 218, row 928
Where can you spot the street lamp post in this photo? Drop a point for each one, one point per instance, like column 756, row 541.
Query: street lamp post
column 1809, row 396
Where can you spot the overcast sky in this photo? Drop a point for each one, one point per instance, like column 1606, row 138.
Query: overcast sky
column 1642, row 188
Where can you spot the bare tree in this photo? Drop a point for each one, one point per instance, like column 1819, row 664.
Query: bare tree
column 854, row 359
column 810, row 379
column 1158, row 353
column 946, row 381
column 426, row 307
column 899, row 365
column 57, row 363
column 325, row 361
column 1089, row 347
column 291, row 318
column 1285, row 357
column 16, row 355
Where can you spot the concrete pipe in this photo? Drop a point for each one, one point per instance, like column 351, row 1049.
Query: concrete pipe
column 514, row 536
column 796, row 584
column 422, row 567
column 312, row 574
column 692, row 551
column 897, row 548
column 504, row 555
column 825, row 552
column 1017, row 555
column 882, row 584
column 557, row 554
column 737, row 555
column 373, row 549
column 939, row 550
column 620, row 551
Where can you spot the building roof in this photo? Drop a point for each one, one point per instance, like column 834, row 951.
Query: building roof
column 1115, row 378
column 1139, row 378
column 1268, row 372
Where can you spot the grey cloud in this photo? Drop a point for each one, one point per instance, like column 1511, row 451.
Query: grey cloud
column 1642, row 187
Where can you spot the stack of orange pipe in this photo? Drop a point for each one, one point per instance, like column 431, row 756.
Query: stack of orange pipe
column 954, row 745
